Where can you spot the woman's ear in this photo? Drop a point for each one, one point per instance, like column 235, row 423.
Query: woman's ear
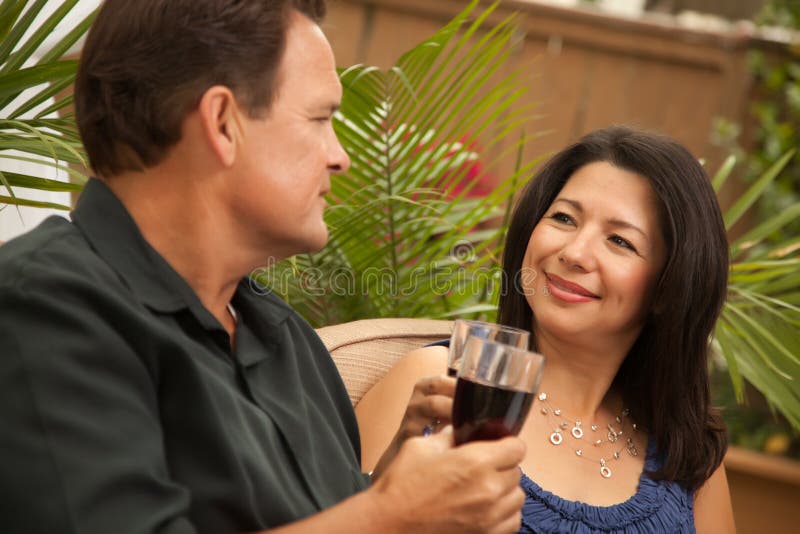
column 222, row 122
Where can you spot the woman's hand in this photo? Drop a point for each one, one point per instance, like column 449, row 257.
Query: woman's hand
column 428, row 411
column 429, row 408
column 414, row 394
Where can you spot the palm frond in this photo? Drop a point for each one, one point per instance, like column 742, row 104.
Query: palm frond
column 755, row 191
column 405, row 236
column 759, row 330
column 32, row 77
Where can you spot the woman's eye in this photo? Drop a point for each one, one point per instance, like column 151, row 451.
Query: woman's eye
column 624, row 243
column 561, row 217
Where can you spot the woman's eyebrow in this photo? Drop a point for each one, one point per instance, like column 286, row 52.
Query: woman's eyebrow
column 619, row 223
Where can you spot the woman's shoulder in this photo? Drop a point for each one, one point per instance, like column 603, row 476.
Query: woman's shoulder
column 429, row 360
column 657, row 506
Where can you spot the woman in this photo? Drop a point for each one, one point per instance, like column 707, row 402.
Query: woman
column 616, row 260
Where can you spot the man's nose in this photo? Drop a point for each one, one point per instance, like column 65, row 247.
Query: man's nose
column 338, row 160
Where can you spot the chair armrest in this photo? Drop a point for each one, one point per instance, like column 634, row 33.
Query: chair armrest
column 365, row 350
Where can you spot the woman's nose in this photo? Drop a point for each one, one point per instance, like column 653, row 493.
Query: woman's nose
column 577, row 253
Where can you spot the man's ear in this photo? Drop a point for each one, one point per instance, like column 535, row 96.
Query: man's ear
column 222, row 122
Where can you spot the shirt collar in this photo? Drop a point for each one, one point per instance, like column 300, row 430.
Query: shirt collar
column 112, row 232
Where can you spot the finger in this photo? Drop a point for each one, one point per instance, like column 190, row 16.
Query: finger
column 446, row 385
column 429, row 418
column 508, row 511
column 501, row 454
column 505, row 483
column 437, row 407
column 436, row 385
column 443, row 440
column 510, row 525
column 511, row 477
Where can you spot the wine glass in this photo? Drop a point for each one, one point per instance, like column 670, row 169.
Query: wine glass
column 463, row 328
column 495, row 390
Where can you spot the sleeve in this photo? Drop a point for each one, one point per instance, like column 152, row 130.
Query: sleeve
column 80, row 442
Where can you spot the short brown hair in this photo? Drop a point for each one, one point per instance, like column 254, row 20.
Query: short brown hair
column 146, row 64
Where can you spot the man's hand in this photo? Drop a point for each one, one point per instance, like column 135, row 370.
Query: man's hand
column 433, row 487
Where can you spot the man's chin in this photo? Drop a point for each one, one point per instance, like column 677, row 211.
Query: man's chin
column 307, row 244
column 317, row 243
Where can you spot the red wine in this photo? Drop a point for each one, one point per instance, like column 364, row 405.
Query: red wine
column 484, row 412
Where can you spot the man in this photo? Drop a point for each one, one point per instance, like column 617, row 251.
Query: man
column 144, row 386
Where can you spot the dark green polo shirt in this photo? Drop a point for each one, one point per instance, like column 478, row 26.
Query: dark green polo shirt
column 123, row 409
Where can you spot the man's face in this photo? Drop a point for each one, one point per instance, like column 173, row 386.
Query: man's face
column 287, row 157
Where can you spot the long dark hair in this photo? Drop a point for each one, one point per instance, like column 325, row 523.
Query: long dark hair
column 664, row 378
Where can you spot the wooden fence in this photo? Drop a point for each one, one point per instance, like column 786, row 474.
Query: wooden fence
column 586, row 69
column 589, row 70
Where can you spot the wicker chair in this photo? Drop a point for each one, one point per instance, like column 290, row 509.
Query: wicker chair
column 365, row 350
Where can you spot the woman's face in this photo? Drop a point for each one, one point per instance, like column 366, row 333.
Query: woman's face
column 593, row 260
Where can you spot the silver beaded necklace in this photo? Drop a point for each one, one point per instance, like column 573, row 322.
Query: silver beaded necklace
column 613, row 435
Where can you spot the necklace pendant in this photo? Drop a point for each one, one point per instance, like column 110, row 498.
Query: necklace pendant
column 616, row 455
column 563, row 426
column 595, row 428
column 605, row 471
column 557, row 411
column 556, row 438
column 577, row 431
column 544, row 411
column 631, row 447
column 542, row 396
column 579, row 452
column 598, row 442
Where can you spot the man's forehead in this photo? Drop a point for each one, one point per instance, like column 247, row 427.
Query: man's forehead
column 307, row 64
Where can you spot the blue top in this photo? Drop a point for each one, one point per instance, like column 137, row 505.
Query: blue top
column 657, row 506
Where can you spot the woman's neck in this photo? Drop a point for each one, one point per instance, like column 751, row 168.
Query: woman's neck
column 579, row 379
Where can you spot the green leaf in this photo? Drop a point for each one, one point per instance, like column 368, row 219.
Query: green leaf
column 755, row 191
column 29, row 47
column 20, row 25
column 766, row 228
column 45, row 94
column 723, row 173
column 16, row 201
column 726, row 343
column 40, row 184
column 30, row 140
column 73, row 36
column 13, row 83
column 9, row 13
column 57, row 106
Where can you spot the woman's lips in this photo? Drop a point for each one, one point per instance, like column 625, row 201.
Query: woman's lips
column 568, row 291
